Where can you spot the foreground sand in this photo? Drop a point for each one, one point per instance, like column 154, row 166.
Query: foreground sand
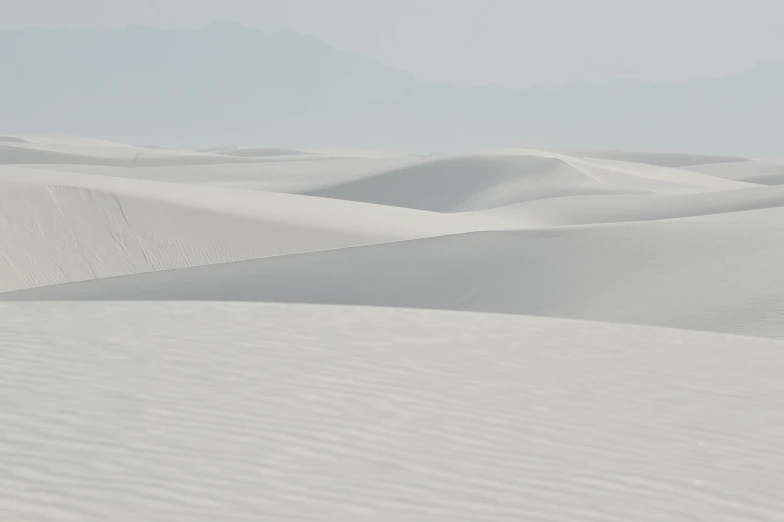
column 246, row 411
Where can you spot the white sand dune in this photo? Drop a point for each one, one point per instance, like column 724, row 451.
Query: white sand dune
column 657, row 158
column 236, row 412
column 595, row 209
column 12, row 139
column 83, row 151
column 457, row 183
column 59, row 227
column 361, row 153
column 717, row 272
column 760, row 172
column 16, row 154
column 511, row 230
column 292, row 174
column 257, row 152
column 413, row 405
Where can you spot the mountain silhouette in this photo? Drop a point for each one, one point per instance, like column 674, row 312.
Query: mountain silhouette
column 230, row 84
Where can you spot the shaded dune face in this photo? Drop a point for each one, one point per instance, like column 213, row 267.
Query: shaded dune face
column 472, row 183
column 468, row 183
column 760, row 172
column 12, row 139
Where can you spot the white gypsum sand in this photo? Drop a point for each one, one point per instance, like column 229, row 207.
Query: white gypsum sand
column 59, row 227
column 668, row 240
column 292, row 334
column 243, row 411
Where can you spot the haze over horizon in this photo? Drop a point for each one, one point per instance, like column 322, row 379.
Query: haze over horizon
column 509, row 43
column 227, row 84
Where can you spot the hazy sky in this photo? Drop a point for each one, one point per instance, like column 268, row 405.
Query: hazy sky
column 514, row 43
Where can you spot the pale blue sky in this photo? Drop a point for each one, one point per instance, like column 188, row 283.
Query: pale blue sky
column 516, row 43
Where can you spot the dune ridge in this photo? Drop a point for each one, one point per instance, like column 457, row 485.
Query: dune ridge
column 61, row 227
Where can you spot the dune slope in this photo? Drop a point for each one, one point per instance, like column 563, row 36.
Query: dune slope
column 59, row 227
column 718, row 272
column 458, row 183
column 662, row 159
column 760, row 172
column 609, row 209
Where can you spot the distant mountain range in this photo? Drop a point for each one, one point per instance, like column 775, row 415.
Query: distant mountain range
column 227, row 84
